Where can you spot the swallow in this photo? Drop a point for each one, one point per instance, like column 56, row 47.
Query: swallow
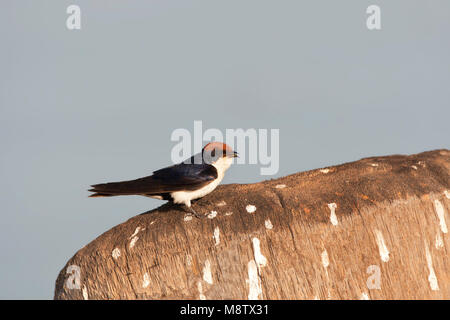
column 181, row 183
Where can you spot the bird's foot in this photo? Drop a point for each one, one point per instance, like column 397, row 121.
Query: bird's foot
column 191, row 211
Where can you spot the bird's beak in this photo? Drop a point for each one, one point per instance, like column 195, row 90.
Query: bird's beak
column 235, row 154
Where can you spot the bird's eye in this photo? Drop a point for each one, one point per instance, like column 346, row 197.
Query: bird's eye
column 213, row 153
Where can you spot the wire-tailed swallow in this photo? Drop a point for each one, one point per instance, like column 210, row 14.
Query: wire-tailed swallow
column 180, row 183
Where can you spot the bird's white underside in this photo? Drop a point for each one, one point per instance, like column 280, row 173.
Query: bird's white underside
column 185, row 197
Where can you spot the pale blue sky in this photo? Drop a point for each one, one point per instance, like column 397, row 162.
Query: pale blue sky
column 100, row 104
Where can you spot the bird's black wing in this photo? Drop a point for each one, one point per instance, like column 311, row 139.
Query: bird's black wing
column 180, row 177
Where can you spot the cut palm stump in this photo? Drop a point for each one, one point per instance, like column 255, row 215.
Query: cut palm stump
column 371, row 229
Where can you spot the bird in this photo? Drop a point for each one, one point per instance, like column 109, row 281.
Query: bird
column 181, row 183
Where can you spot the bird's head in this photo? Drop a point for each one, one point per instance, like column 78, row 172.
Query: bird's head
column 219, row 155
